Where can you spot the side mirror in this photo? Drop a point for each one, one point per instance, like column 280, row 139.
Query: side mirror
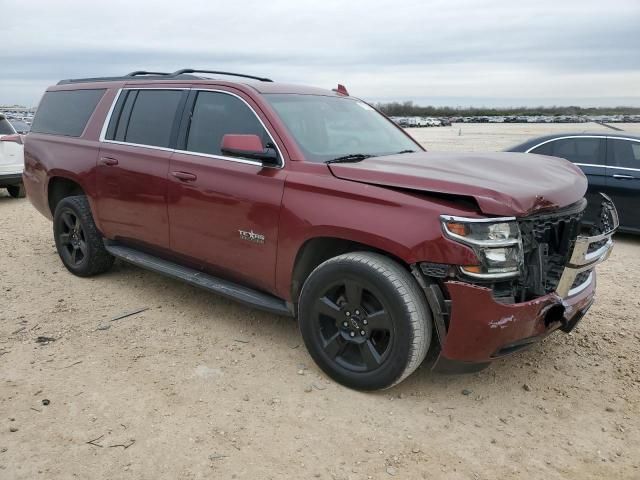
column 13, row 138
column 248, row 146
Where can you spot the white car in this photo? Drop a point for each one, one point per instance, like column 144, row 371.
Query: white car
column 11, row 159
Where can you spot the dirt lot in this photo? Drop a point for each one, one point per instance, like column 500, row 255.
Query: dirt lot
column 199, row 387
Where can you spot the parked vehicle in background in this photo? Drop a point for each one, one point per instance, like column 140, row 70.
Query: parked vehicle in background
column 611, row 163
column 309, row 203
column 11, row 159
column 20, row 126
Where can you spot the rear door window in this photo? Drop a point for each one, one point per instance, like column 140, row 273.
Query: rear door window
column 625, row 153
column 152, row 117
column 585, row 150
column 66, row 112
column 216, row 114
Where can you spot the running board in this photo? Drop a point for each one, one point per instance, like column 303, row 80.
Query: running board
column 216, row 285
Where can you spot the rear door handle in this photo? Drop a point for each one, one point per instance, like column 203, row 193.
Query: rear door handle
column 184, row 176
column 626, row 177
column 108, row 161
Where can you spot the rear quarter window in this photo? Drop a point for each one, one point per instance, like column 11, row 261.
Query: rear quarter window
column 66, row 112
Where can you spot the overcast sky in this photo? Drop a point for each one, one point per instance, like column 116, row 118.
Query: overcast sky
column 450, row 52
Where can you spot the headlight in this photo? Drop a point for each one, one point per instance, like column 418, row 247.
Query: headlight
column 496, row 242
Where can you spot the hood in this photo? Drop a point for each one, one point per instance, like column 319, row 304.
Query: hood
column 502, row 183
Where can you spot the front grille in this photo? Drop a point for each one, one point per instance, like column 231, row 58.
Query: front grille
column 547, row 241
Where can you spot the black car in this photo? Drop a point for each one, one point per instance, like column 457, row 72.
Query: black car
column 20, row 126
column 611, row 162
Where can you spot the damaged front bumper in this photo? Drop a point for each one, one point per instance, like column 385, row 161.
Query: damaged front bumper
column 480, row 328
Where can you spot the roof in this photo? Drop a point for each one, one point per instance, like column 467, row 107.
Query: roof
column 260, row 84
column 184, row 73
column 538, row 140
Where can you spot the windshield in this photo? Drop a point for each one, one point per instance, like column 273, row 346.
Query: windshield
column 327, row 127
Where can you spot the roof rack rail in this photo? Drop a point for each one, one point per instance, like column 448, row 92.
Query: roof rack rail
column 145, row 75
column 144, row 72
column 216, row 72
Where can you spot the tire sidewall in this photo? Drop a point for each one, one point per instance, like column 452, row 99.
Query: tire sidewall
column 68, row 205
column 402, row 336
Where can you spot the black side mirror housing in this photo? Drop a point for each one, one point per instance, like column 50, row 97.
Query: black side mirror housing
column 249, row 146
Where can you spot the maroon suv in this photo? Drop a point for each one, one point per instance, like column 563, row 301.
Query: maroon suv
column 310, row 203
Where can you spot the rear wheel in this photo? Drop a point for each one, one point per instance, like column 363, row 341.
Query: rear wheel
column 364, row 320
column 16, row 191
column 78, row 241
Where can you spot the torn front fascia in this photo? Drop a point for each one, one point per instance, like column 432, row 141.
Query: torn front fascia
column 440, row 308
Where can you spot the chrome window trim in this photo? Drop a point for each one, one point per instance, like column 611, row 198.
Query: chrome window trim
column 244, row 161
column 606, row 166
column 565, row 137
column 105, row 125
column 596, row 165
column 154, row 147
column 589, row 165
column 222, row 157
column 627, row 168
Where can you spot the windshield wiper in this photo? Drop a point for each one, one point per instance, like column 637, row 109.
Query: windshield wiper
column 353, row 157
column 404, row 151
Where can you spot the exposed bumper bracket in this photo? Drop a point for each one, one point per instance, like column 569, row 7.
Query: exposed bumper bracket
column 437, row 303
column 581, row 258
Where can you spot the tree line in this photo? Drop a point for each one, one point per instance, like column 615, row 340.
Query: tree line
column 409, row 109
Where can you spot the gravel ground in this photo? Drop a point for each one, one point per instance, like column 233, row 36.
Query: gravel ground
column 200, row 387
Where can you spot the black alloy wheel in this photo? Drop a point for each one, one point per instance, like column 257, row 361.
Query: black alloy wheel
column 72, row 239
column 364, row 320
column 354, row 327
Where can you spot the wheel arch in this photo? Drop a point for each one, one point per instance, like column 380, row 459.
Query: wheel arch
column 60, row 187
column 317, row 250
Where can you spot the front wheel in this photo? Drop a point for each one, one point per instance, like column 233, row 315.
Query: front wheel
column 364, row 320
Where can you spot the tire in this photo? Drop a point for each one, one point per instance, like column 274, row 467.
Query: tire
column 78, row 241
column 16, row 191
column 364, row 320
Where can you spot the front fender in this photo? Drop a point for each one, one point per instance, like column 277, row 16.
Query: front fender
column 404, row 224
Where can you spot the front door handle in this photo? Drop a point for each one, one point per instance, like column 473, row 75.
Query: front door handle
column 184, row 176
column 108, row 161
column 626, row 177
